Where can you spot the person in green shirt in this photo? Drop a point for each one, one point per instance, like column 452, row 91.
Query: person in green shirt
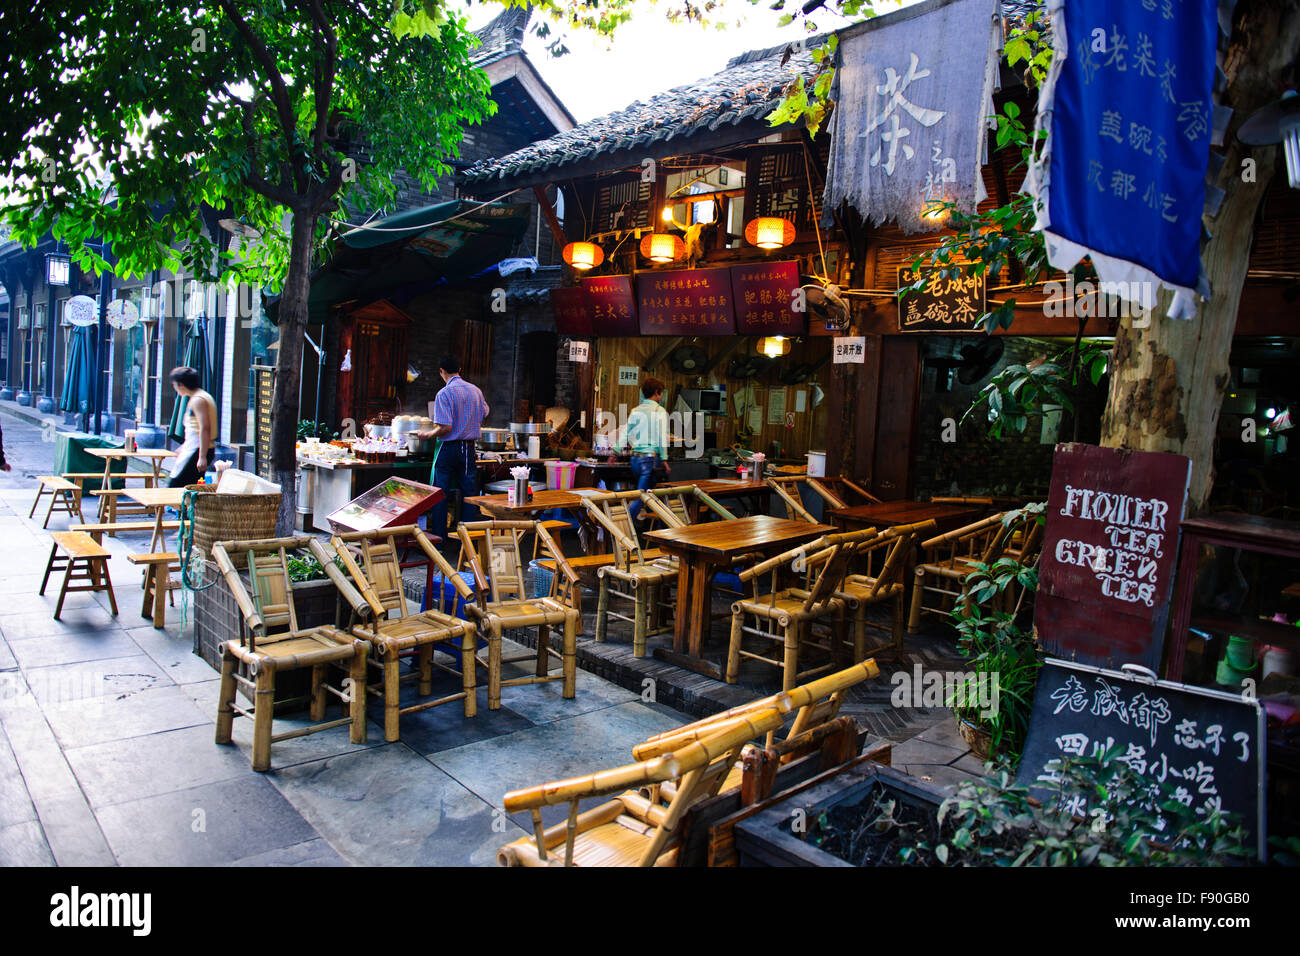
column 647, row 433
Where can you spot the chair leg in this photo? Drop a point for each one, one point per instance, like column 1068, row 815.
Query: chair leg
column 49, row 567
column 494, row 668
column 467, row 668
column 543, row 650
column 898, row 622
column 63, row 590
column 640, row 615
column 40, row 493
column 602, row 610
column 391, row 703
column 733, row 649
column 791, row 668
column 102, row 568
column 161, row 592
column 54, row 496
column 424, row 661
column 860, row 630
column 357, row 710
column 147, row 605
column 918, row 594
column 263, row 714
column 226, row 698
column 570, row 655
column 317, row 709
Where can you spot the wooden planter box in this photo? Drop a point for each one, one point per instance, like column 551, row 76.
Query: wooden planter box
column 766, row 840
column 217, row 619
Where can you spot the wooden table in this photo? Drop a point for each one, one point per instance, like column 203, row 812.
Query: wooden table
column 758, row 493
column 889, row 513
column 158, row 500
column 498, row 508
column 703, row 549
column 154, row 456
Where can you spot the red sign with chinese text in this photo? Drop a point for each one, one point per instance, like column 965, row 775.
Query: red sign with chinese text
column 613, row 306
column 1109, row 550
column 692, row 302
column 572, row 311
column 765, row 299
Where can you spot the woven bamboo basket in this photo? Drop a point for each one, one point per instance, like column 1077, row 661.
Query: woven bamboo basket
column 231, row 517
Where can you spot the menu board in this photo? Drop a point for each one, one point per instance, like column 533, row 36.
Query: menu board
column 1207, row 746
column 765, row 299
column 264, row 385
column 686, row 302
column 1109, row 550
column 572, row 311
column 394, row 501
column 613, row 306
column 943, row 305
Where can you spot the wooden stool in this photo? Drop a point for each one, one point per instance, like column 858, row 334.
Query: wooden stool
column 157, row 583
column 83, row 560
column 64, row 496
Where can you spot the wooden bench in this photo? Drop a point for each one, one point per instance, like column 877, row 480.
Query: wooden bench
column 112, row 528
column 109, row 507
column 65, row 496
column 157, row 583
column 82, row 560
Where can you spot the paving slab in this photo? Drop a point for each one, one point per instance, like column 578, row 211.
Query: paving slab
column 99, row 719
column 174, row 653
column 98, row 678
column 919, row 751
column 311, row 853
column 391, row 807
column 79, row 615
column 24, row 844
column 72, row 647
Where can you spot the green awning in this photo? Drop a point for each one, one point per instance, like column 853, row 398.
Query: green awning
column 412, row 253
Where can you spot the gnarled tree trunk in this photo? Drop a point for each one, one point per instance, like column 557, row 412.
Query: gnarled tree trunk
column 1168, row 379
column 288, row 366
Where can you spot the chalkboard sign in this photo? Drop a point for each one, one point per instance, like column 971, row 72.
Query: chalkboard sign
column 953, row 304
column 1206, row 744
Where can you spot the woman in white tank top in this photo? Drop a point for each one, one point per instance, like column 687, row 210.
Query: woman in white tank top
column 195, row 454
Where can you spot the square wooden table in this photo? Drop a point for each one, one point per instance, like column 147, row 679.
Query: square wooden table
column 703, row 549
column 498, row 508
column 158, row 500
column 154, row 456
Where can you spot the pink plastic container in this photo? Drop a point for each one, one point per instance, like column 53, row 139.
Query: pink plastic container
column 560, row 475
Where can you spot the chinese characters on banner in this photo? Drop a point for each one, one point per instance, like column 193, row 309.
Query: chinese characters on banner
column 1109, row 550
column 1131, row 118
column 613, row 306
column 572, row 311
column 1204, row 746
column 686, row 302
column 946, row 305
column 766, row 298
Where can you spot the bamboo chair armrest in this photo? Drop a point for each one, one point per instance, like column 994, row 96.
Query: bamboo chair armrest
column 627, row 777
column 713, row 505
column 375, row 606
column 661, row 510
column 242, row 598
column 826, row 494
column 602, row 519
column 561, row 562
column 497, row 525
column 360, row 605
column 470, row 554
column 444, row 566
column 813, row 548
column 860, row 490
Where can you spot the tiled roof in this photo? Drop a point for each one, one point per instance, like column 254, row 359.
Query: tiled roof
column 502, row 37
column 749, row 88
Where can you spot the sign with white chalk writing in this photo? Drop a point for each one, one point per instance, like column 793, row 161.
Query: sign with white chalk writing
column 1109, row 550
column 1203, row 745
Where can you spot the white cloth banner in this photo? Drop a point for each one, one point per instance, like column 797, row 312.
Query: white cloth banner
column 914, row 101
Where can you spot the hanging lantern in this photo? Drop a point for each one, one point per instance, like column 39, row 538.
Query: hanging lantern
column 774, row 346
column 769, row 232
column 583, row 255
column 662, row 247
column 58, row 269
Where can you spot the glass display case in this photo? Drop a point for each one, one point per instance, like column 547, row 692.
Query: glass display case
column 394, row 501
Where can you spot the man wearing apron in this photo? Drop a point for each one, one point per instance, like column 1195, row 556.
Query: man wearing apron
column 458, row 413
column 195, row 454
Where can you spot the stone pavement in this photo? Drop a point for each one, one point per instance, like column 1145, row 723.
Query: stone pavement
column 107, row 754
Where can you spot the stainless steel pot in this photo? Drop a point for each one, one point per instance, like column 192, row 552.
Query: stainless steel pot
column 378, row 431
column 419, row 446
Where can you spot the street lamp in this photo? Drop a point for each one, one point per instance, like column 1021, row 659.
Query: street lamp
column 58, row 268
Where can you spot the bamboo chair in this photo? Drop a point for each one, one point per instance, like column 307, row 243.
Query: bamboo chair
column 788, row 489
column 848, row 490
column 632, row 829
column 397, row 632
column 678, row 500
column 815, row 705
column 502, row 604
column 969, row 502
column 276, row 644
column 632, row 578
column 792, row 613
column 939, row 578
column 886, row 556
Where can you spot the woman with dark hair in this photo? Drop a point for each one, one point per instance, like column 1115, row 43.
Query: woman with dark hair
column 195, row 453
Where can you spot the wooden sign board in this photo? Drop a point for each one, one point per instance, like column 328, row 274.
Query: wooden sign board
column 1205, row 744
column 1109, row 550
column 943, row 305
column 686, row 302
column 572, row 311
column 766, row 300
column 613, row 306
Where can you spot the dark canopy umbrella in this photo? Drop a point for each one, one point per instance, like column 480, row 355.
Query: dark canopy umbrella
column 197, row 358
column 77, row 374
column 413, row 252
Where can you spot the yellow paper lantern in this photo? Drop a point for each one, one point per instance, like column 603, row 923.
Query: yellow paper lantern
column 583, row 255
column 769, row 232
column 662, row 247
column 774, row 346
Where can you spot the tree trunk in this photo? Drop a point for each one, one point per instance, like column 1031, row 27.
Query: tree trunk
column 288, row 366
column 1168, row 380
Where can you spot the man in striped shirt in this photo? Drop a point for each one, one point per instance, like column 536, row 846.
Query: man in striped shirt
column 458, row 412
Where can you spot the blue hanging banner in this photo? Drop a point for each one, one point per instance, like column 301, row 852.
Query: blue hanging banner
column 1128, row 105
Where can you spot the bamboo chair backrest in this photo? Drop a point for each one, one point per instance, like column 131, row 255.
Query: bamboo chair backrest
column 273, row 591
column 379, row 574
column 980, row 540
column 700, row 765
column 610, row 512
column 676, row 501
column 787, row 489
column 498, row 550
column 1024, row 536
column 844, row 488
column 892, row 548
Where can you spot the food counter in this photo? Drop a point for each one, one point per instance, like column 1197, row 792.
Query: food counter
column 336, row 482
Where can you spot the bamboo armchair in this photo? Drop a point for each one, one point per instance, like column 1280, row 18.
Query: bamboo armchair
column 633, row 829
column 789, row 615
column 397, row 632
column 502, row 604
column 886, row 556
column 678, row 500
column 275, row 644
column 939, row 579
column 631, row 578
